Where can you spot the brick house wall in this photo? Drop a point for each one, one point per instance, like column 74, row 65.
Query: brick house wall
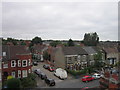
column 10, row 69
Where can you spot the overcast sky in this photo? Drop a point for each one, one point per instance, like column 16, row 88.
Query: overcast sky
column 59, row 20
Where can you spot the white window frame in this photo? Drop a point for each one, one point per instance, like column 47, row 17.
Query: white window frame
column 24, row 73
column 5, row 65
column 13, row 64
column 19, row 63
column 13, row 74
column 29, row 62
column 23, row 63
column 19, row 73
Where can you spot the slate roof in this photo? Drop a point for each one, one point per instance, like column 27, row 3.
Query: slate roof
column 12, row 51
column 89, row 50
column 75, row 50
column 110, row 50
column 39, row 48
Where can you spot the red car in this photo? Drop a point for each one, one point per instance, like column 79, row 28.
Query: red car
column 87, row 78
column 51, row 68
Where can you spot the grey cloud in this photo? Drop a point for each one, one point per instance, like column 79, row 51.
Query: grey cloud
column 59, row 20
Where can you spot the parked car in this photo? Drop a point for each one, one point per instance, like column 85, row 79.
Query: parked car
column 42, row 75
column 61, row 73
column 97, row 76
column 37, row 71
column 50, row 82
column 46, row 66
column 96, row 71
column 51, row 68
column 87, row 78
column 35, row 63
column 85, row 88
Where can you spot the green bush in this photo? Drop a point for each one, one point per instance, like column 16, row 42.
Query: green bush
column 13, row 83
column 29, row 81
column 80, row 72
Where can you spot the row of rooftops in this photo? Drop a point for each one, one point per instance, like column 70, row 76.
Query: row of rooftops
column 76, row 50
column 12, row 51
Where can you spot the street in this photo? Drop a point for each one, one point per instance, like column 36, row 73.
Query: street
column 70, row 82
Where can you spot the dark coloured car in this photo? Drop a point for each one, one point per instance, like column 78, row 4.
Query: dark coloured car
column 37, row 71
column 42, row 76
column 50, row 82
column 35, row 63
column 46, row 66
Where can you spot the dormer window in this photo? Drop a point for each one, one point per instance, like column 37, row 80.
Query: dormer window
column 13, row 63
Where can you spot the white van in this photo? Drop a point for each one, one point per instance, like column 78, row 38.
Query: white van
column 61, row 73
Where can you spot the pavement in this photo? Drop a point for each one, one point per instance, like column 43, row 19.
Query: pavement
column 41, row 83
column 70, row 82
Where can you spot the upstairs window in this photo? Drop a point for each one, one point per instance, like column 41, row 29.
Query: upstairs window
column 19, row 63
column 13, row 63
column 69, row 60
column 24, row 63
column 75, row 58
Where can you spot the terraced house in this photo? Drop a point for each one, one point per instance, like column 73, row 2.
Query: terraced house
column 111, row 55
column 74, row 58
column 16, row 61
column 91, row 52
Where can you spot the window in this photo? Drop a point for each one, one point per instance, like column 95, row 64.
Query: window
column 75, row 58
column 69, row 60
column 13, row 63
column 24, row 73
column 19, row 73
column 19, row 63
column 24, row 63
column 79, row 57
column 29, row 71
column 13, row 74
column 4, row 53
column 5, row 65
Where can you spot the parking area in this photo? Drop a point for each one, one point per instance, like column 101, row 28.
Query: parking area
column 70, row 82
column 41, row 83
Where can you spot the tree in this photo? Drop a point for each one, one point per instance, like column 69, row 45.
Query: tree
column 55, row 43
column 29, row 82
column 13, row 83
column 46, row 56
column 23, row 43
column 70, row 42
column 91, row 39
column 98, row 60
column 36, row 40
